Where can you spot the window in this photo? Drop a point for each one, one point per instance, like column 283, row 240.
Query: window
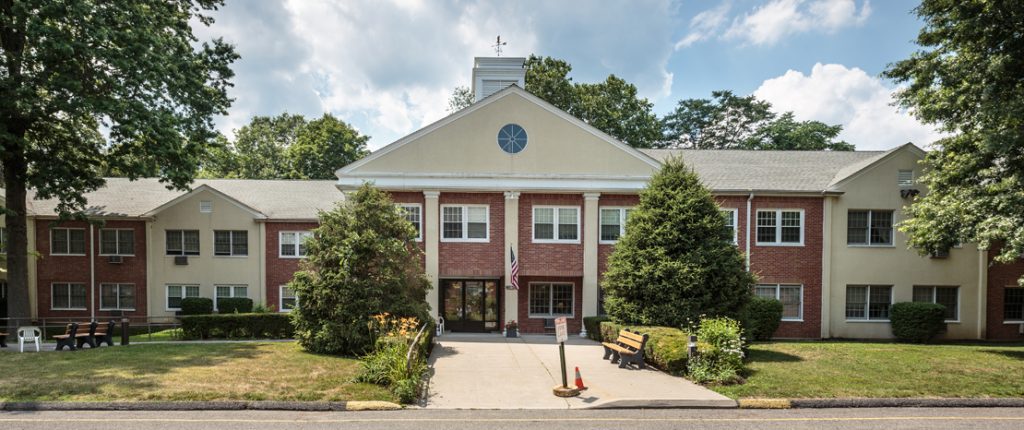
column 206, row 206
column 67, row 296
column 182, row 242
column 945, row 296
column 1013, row 304
column 868, row 302
column 414, row 214
column 613, row 223
column 780, row 227
column 556, row 224
column 227, row 291
column 905, row 178
column 791, row 296
column 3, row 240
column 465, row 223
column 117, row 297
column 730, row 216
column 67, row 241
column 177, row 292
column 117, row 241
column 870, row 228
column 293, row 243
column 233, row 243
column 288, row 299
column 549, row 299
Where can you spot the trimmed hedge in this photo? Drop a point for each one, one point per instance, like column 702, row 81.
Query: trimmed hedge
column 196, row 306
column 666, row 347
column 761, row 317
column 593, row 326
column 234, row 305
column 226, row 326
column 917, row 322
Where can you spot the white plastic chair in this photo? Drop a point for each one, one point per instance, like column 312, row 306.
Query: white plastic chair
column 29, row 334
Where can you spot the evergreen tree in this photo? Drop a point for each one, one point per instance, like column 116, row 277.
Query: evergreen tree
column 676, row 260
column 361, row 261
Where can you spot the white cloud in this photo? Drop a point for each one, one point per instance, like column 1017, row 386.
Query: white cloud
column 835, row 94
column 704, row 25
column 771, row 22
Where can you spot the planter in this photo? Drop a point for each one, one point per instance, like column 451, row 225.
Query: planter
column 512, row 333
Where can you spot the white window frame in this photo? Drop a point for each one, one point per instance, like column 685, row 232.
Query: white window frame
column 551, row 300
column 465, row 224
column 232, row 289
column 935, row 294
column 117, row 231
column 622, row 222
column 183, row 252
column 778, row 296
column 871, row 214
column 184, row 294
column 778, row 227
column 67, row 233
column 67, row 286
column 280, row 299
column 1006, row 321
column 117, row 287
column 300, row 236
column 736, row 224
column 867, row 304
column 231, row 243
column 555, row 220
column 404, row 207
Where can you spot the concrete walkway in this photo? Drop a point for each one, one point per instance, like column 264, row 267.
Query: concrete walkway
column 487, row 371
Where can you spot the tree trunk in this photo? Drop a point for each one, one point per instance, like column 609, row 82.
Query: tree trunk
column 14, row 171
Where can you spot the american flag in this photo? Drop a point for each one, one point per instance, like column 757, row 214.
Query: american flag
column 515, row 270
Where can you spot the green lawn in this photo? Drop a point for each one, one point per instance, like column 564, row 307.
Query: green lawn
column 862, row 369
column 242, row 371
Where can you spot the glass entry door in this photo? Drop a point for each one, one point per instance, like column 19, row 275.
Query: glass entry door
column 470, row 305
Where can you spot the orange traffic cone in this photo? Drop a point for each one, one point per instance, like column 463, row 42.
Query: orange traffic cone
column 579, row 380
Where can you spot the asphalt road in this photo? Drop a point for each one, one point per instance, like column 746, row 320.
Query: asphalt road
column 887, row 419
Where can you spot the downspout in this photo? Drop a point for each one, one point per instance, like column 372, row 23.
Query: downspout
column 92, row 272
column 750, row 198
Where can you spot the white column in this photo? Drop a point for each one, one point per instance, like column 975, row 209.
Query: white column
column 982, row 293
column 826, row 268
column 431, row 238
column 511, row 244
column 591, row 232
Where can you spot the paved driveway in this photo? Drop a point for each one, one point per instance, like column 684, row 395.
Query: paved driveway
column 486, row 371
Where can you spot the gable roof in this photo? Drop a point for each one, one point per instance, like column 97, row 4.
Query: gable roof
column 853, row 170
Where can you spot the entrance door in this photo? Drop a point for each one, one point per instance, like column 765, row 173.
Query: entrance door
column 470, row 305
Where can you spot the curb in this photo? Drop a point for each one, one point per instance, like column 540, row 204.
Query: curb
column 1015, row 402
column 201, row 406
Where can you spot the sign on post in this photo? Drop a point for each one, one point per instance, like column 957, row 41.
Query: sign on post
column 561, row 330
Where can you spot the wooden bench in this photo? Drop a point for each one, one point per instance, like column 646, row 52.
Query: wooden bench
column 627, row 348
column 104, row 334
column 68, row 338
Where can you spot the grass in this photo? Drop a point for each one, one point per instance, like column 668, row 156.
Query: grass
column 241, row 371
column 864, row 369
column 156, row 336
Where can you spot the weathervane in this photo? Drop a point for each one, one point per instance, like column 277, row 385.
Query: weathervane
column 497, row 46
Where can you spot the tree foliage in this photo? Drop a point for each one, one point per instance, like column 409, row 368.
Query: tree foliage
column 133, row 66
column 676, row 260
column 286, row 147
column 728, row 121
column 460, row 99
column 362, row 261
column 966, row 79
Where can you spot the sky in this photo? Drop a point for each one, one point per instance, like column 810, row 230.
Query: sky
column 388, row 67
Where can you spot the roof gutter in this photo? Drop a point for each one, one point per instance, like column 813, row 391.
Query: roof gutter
column 750, row 199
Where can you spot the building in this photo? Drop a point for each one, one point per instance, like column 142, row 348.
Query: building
column 512, row 174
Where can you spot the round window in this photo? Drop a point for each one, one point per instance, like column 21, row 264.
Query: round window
column 512, row 138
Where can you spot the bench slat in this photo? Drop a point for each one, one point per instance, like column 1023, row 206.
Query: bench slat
column 630, row 343
column 631, row 336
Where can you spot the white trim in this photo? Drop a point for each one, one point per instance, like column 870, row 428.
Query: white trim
column 465, row 223
column 852, row 175
column 118, row 241
column 392, row 182
column 867, row 302
column 778, row 226
column 778, row 296
column 68, row 254
column 206, row 187
column 622, row 223
column 555, row 214
column 117, row 286
column 231, row 289
column 231, row 244
column 735, row 223
column 280, row 299
column 184, row 294
column 871, row 215
column 298, row 238
column 419, row 226
column 551, row 303
column 68, row 285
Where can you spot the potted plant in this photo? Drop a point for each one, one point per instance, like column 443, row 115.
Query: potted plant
column 512, row 329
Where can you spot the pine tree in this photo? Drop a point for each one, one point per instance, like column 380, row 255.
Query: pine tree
column 676, row 260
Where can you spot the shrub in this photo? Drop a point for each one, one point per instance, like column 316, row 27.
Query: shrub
column 719, row 352
column 676, row 260
column 196, row 306
column 265, row 326
column 761, row 317
column 666, row 347
column 593, row 326
column 362, row 260
column 387, row 364
column 234, row 305
column 917, row 322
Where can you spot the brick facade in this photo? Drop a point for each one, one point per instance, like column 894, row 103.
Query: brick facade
column 475, row 259
column 536, row 325
column 548, row 259
column 280, row 270
column 1001, row 276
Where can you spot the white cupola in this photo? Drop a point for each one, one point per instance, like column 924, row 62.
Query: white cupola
column 492, row 74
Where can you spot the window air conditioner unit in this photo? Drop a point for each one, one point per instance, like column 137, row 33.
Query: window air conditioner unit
column 115, row 259
column 909, row 192
column 181, row 260
column 940, row 254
